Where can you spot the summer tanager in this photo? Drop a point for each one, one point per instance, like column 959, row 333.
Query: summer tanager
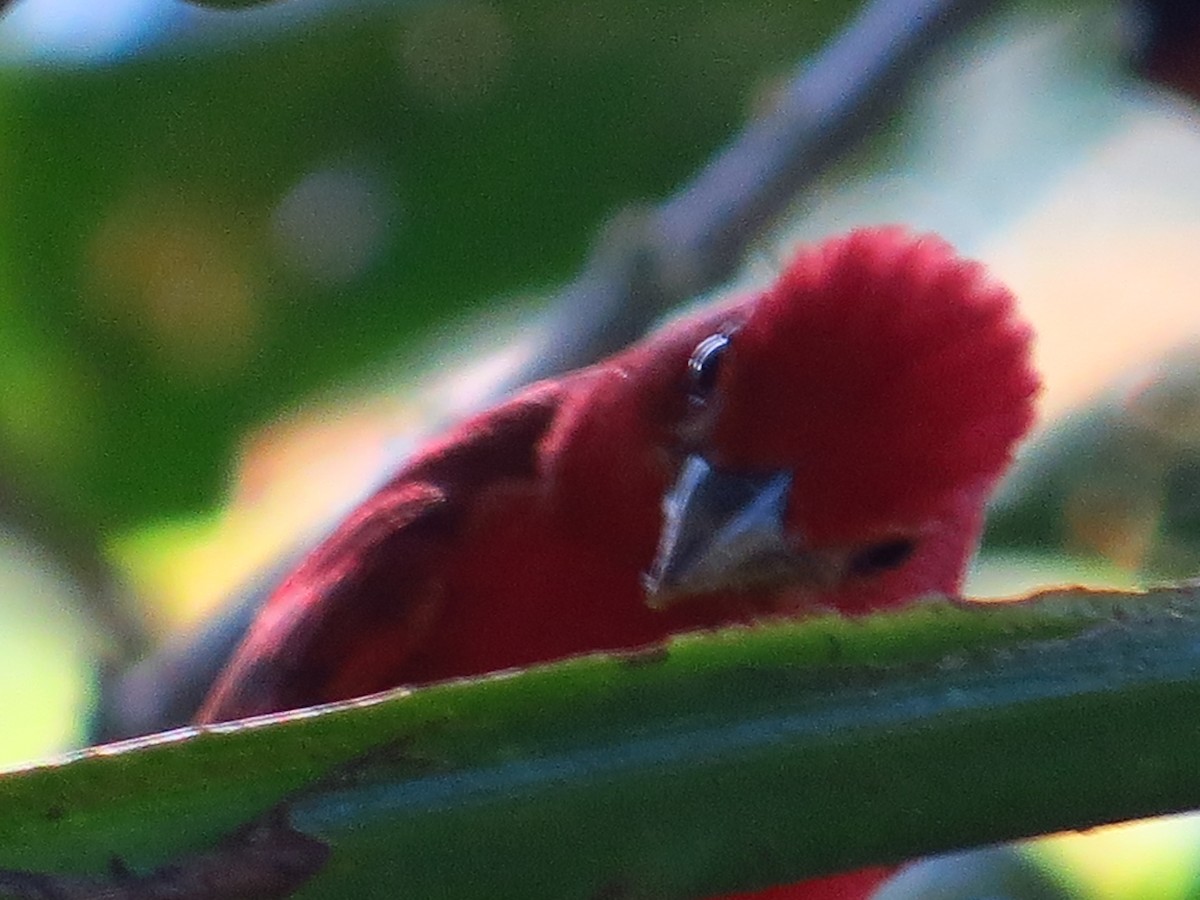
column 828, row 442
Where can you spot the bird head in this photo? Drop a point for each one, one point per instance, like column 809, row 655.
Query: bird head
column 842, row 429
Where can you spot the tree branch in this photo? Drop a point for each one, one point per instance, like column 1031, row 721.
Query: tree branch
column 647, row 262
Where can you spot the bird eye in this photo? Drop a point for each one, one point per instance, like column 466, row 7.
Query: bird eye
column 705, row 365
column 882, row 556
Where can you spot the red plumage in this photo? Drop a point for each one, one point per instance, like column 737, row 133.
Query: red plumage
column 832, row 445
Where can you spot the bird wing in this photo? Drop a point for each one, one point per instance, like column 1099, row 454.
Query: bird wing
column 349, row 618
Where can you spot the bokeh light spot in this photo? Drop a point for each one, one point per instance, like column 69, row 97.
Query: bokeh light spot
column 46, row 655
column 333, row 223
column 173, row 276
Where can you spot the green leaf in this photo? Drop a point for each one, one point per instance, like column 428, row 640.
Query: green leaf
column 723, row 761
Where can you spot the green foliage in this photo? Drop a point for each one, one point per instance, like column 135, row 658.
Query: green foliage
column 721, row 762
column 153, row 311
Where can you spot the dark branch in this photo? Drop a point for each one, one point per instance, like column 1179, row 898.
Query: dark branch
column 647, row 262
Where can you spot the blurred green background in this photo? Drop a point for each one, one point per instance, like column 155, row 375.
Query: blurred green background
column 247, row 257
column 207, row 231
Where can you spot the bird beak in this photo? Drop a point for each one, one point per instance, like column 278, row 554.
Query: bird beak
column 725, row 530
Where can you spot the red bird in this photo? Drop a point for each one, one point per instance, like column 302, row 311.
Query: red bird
column 826, row 443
